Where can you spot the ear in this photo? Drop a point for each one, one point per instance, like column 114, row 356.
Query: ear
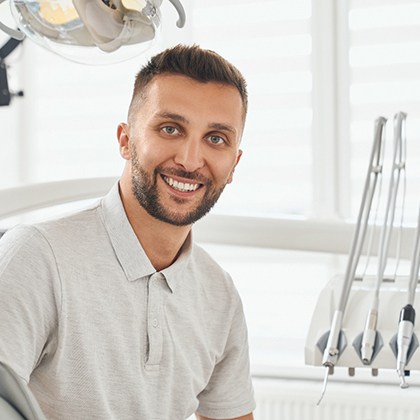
column 238, row 158
column 124, row 141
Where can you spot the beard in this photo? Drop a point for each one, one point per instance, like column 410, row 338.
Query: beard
column 144, row 187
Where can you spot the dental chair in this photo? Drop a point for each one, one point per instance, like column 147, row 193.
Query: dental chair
column 16, row 399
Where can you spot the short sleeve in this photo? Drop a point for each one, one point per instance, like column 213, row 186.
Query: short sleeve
column 29, row 296
column 229, row 393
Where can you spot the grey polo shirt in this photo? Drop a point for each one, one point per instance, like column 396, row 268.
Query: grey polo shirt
column 97, row 333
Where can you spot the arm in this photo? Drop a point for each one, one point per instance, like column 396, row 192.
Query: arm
column 230, row 384
column 247, row 417
column 28, row 300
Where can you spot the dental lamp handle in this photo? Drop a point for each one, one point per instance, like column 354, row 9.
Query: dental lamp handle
column 181, row 12
column 11, row 32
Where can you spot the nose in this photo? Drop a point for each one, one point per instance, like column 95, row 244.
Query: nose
column 189, row 155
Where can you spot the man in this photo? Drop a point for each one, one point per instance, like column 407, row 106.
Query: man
column 114, row 313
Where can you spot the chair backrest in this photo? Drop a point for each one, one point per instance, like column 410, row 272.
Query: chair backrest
column 16, row 399
column 7, row 412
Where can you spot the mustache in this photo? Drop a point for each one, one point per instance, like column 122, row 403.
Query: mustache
column 193, row 176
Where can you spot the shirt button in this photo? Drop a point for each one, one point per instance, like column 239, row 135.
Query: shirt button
column 155, row 322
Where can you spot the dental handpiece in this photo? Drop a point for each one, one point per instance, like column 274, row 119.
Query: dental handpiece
column 404, row 336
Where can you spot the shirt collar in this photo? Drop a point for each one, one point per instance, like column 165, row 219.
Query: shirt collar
column 174, row 273
column 128, row 249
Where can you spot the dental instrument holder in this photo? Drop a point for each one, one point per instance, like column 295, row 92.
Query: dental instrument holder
column 393, row 296
column 343, row 304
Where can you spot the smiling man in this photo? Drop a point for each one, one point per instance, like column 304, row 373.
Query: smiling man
column 114, row 312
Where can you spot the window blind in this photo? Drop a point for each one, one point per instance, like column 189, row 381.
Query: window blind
column 384, row 78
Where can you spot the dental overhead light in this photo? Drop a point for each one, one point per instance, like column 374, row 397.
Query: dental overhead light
column 90, row 31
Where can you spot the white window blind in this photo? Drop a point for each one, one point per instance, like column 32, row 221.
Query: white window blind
column 384, row 60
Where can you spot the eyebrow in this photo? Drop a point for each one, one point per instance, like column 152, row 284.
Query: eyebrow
column 172, row 116
column 222, row 127
column 181, row 118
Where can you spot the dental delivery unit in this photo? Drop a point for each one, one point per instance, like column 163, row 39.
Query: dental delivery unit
column 368, row 321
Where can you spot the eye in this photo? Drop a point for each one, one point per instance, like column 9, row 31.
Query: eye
column 216, row 140
column 169, row 129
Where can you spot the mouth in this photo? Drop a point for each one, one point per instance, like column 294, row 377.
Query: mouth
column 181, row 186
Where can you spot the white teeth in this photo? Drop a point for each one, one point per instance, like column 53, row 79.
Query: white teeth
column 180, row 186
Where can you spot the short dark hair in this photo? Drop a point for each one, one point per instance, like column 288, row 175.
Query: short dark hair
column 194, row 62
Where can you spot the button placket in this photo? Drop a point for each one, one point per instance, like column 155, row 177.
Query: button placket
column 154, row 329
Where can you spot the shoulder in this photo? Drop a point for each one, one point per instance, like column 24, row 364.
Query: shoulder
column 214, row 286
column 72, row 224
column 22, row 239
column 209, row 268
column 28, row 267
column 72, row 232
column 41, row 240
column 206, row 262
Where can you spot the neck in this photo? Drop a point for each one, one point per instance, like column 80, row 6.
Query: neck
column 160, row 241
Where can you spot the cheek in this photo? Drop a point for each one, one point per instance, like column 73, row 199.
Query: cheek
column 224, row 170
column 152, row 149
column 143, row 153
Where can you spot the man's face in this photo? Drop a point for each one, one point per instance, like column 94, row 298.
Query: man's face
column 183, row 146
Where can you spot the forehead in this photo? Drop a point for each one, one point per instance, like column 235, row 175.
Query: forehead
column 181, row 94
